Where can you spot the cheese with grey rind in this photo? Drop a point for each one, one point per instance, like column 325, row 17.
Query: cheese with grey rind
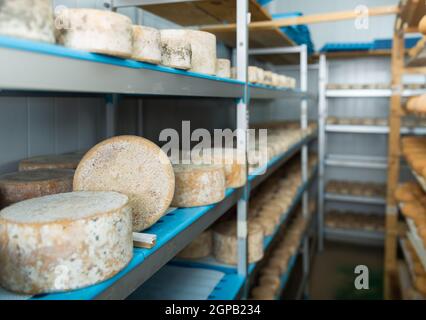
column 64, row 242
column 203, row 46
column 60, row 161
column 146, row 44
column 200, row 247
column 133, row 166
column 28, row 19
column 176, row 50
column 23, row 185
column 223, row 68
column 198, row 185
column 97, row 31
column 225, row 243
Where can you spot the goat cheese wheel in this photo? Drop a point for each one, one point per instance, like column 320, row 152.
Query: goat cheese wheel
column 135, row 167
column 64, row 242
column 28, row 19
column 422, row 25
column 223, row 68
column 203, row 46
column 97, row 31
column 176, row 50
column 232, row 160
column 201, row 247
column 146, row 44
column 61, row 161
column 225, row 246
column 23, row 185
column 198, row 185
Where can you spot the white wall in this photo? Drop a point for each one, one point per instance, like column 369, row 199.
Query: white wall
column 342, row 31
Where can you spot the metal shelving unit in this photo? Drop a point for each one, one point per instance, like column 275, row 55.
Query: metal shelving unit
column 363, row 237
column 355, row 199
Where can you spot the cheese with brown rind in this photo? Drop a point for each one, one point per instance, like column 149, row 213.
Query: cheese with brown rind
column 176, row 50
column 133, row 166
column 200, row 247
column 28, row 19
column 225, row 244
column 64, row 242
column 97, row 31
column 23, row 185
column 198, row 185
column 146, row 44
column 60, row 161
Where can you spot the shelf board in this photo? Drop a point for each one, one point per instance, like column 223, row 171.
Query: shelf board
column 372, row 129
column 420, row 180
column 370, row 93
column 363, row 237
column 353, row 161
column 257, row 91
column 355, row 199
column 67, row 70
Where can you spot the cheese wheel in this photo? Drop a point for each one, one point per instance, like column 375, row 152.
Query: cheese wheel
column 422, row 25
column 97, row 31
column 61, row 161
column 176, row 50
column 203, row 46
column 252, row 74
column 198, row 185
column 28, row 19
column 225, row 246
column 223, row 68
column 134, row 166
column 146, row 44
column 201, row 247
column 19, row 186
column 64, row 242
column 262, row 293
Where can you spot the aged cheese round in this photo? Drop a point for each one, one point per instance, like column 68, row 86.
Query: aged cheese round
column 61, row 161
column 252, row 73
column 422, row 25
column 231, row 159
column 146, row 44
column 64, row 242
column 223, row 68
column 23, row 185
column 97, row 31
column 134, row 166
column 203, row 46
column 262, row 293
column 201, row 247
column 198, row 185
column 28, row 19
column 176, row 50
column 225, row 242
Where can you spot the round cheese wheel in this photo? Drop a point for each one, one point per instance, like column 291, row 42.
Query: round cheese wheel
column 252, row 74
column 232, row 160
column 176, row 50
column 134, row 166
column 203, row 46
column 225, row 242
column 269, row 280
column 422, row 25
column 146, row 44
column 64, row 242
column 223, row 68
column 23, row 185
column 201, row 247
column 97, row 31
column 262, row 293
column 28, row 19
column 61, row 161
column 198, row 185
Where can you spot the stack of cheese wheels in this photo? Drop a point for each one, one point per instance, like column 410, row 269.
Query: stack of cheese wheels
column 176, row 50
column 19, row 186
column 29, row 19
column 134, row 166
column 231, row 159
column 225, row 242
column 146, row 44
column 203, row 46
column 64, row 242
column 96, row 31
column 422, row 25
column 223, row 68
column 61, row 161
column 201, row 247
column 198, row 185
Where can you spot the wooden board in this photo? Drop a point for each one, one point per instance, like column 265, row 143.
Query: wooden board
column 204, row 12
column 418, row 54
column 354, row 54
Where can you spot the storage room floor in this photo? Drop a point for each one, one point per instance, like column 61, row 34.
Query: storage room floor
column 333, row 274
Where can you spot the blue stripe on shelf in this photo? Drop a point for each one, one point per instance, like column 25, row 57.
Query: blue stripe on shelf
column 60, row 51
column 228, row 287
